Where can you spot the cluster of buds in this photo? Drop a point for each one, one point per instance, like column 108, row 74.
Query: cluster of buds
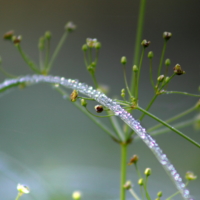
column 10, row 36
column 93, row 43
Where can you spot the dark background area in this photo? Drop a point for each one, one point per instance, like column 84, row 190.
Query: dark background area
column 50, row 145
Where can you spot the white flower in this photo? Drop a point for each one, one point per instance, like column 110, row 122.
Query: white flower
column 23, row 188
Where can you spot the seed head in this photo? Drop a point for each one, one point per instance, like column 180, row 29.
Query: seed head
column 74, row 95
column 8, row 35
column 178, row 70
column 167, row 35
column 70, row 26
column 145, row 43
column 17, row 39
column 133, row 160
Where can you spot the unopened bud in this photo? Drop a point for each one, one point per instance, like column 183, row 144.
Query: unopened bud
column 167, row 79
column 160, row 78
column 47, row 35
column 150, row 55
column 91, row 42
column 190, row 176
column 167, row 35
column 135, row 68
column 17, row 39
column 133, row 160
column 70, row 26
column 74, row 95
column 145, row 43
column 123, row 60
column 159, row 194
column 76, row 195
column 147, row 172
column 98, row 45
column 123, row 93
column 178, row 70
column 127, row 185
column 8, row 35
column 84, row 47
column 168, row 62
column 41, row 43
column 98, row 108
column 83, row 102
column 140, row 182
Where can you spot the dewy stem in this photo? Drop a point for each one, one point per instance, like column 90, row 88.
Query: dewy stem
column 123, row 171
column 57, row 50
column 138, row 40
column 162, row 57
column 170, row 127
column 173, row 118
column 184, row 93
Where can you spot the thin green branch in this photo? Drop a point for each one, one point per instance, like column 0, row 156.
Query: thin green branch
column 170, row 127
column 138, row 39
column 125, row 80
column 178, row 92
column 186, row 112
column 100, row 116
column 151, row 74
column 145, row 188
column 134, row 194
column 6, row 73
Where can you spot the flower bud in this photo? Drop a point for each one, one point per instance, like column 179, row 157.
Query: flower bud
column 127, row 185
column 91, row 42
column 8, row 35
column 140, row 182
column 74, row 95
column 41, row 43
column 98, row 108
column 76, row 195
column 17, row 40
column 133, row 160
column 167, row 79
column 23, row 189
column 145, row 43
column 70, row 26
column 47, row 35
column 167, row 35
column 98, row 45
column 168, row 62
column 123, row 60
column 147, row 172
column 123, row 93
column 84, row 47
column 135, row 68
column 178, row 70
column 150, row 55
column 190, row 176
column 160, row 78
column 159, row 194
column 83, row 102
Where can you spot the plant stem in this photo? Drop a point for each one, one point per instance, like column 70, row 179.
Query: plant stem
column 170, row 127
column 94, row 80
column 173, row 118
column 145, row 188
column 149, row 106
column 57, row 50
column 151, row 74
column 134, row 194
column 138, row 38
column 123, row 171
column 125, row 80
column 18, row 196
column 178, row 92
column 162, row 57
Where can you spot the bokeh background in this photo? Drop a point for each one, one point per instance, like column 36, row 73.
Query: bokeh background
column 46, row 143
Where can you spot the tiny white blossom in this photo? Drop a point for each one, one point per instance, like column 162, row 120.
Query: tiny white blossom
column 23, row 188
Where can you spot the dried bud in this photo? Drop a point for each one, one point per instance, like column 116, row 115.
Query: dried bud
column 150, row 55
column 123, row 60
column 91, row 42
column 70, row 26
column 23, row 189
column 98, row 108
column 145, row 43
column 168, row 62
column 8, row 35
column 17, row 40
column 159, row 194
column 133, row 160
column 83, row 102
column 140, row 182
column 74, row 95
column 190, row 176
column 76, row 195
column 84, row 47
column 160, row 78
column 135, row 68
column 178, row 70
column 147, row 172
column 127, row 185
column 47, row 35
column 167, row 35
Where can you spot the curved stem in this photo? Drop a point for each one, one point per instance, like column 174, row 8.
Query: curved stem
column 178, row 92
column 134, row 194
column 170, row 127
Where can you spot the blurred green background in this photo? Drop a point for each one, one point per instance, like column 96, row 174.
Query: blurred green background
column 51, row 146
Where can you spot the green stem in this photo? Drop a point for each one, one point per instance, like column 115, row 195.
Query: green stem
column 173, row 118
column 145, row 189
column 27, row 60
column 162, row 57
column 94, row 80
column 125, row 80
column 149, row 106
column 165, row 83
column 18, row 196
column 57, row 50
column 138, row 40
column 6, row 73
column 184, row 93
column 47, row 54
column 134, row 194
column 123, row 171
column 170, row 127
column 138, row 74
column 151, row 74
column 85, row 59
